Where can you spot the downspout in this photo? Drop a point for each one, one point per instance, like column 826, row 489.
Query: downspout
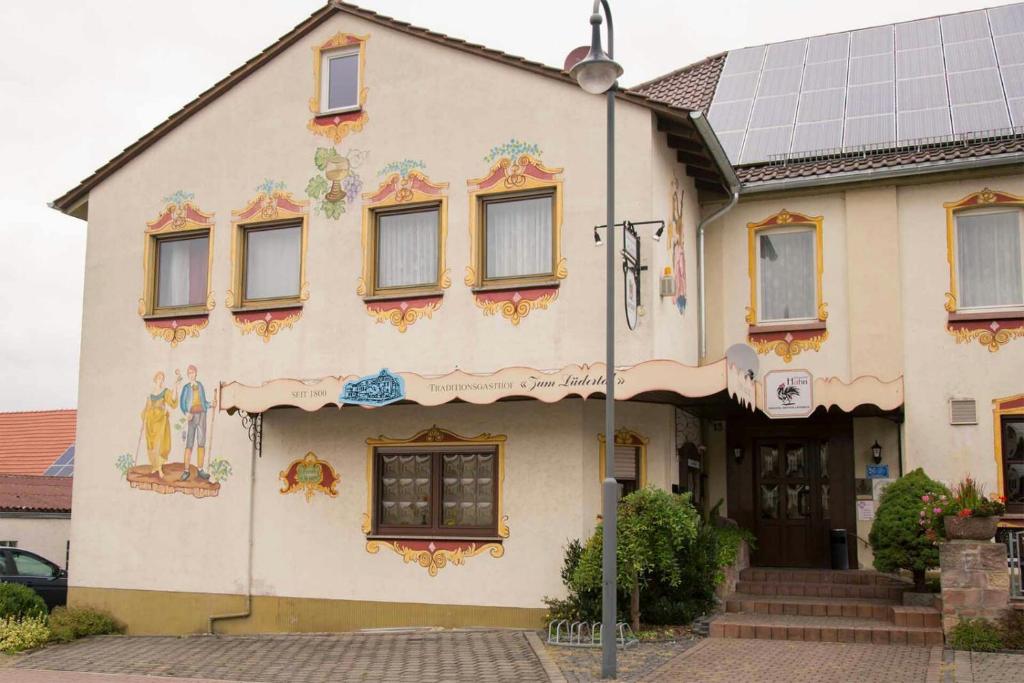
column 248, row 581
column 732, row 184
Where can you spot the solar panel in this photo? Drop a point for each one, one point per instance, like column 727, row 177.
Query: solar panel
column 63, row 466
column 927, row 78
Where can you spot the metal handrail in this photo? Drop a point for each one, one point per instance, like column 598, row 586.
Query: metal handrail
column 1015, row 545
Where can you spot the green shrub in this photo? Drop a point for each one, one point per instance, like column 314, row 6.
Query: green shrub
column 20, row 601
column 24, row 633
column 979, row 635
column 897, row 537
column 69, row 623
column 1011, row 629
column 579, row 605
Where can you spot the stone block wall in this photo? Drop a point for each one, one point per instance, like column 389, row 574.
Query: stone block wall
column 975, row 581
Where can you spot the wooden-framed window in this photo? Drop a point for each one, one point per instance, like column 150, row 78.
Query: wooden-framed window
column 436, row 492
column 989, row 259
column 785, row 264
column 405, row 250
column 630, row 463
column 517, row 237
column 340, row 79
column 271, row 263
column 180, row 272
column 1012, row 447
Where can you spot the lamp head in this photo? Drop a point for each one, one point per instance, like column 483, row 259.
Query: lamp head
column 876, row 452
column 659, row 233
column 597, row 238
column 597, row 72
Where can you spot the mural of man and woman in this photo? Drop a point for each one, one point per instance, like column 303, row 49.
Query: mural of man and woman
column 191, row 400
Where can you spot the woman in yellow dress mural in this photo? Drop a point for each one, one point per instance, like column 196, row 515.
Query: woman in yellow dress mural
column 156, row 422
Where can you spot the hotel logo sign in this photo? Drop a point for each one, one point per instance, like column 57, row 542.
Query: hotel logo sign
column 788, row 393
column 373, row 390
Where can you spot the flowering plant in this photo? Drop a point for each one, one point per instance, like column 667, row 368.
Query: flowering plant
column 966, row 500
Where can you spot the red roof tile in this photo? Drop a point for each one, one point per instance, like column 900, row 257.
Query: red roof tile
column 691, row 87
column 31, row 441
column 20, row 493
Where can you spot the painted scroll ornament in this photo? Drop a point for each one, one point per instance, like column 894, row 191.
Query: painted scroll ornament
column 311, row 475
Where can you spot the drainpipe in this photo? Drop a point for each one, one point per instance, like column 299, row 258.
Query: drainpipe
column 248, row 581
column 732, row 184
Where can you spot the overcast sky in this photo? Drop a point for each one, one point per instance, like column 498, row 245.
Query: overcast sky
column 82, row 79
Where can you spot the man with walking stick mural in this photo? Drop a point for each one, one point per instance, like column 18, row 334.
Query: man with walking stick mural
column 159, row 474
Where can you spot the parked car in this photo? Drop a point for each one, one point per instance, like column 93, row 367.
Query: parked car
column 44, row 577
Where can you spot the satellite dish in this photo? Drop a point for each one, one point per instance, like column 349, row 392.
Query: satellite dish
column 744, row 358
column 576, row 56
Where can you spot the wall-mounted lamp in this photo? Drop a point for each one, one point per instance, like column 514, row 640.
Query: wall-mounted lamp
column 659, row 233
column 876, row 452
column 737, row 455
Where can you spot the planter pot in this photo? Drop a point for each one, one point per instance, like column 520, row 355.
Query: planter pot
column 970, row 528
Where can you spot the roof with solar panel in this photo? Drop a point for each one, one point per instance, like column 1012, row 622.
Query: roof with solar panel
column 897, row 94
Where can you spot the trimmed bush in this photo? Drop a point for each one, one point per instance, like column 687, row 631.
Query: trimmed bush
column 18, row 601
column 25, row 633
column 1011, row 629
column 897, row 537
column 69, row 623
column 978, row 635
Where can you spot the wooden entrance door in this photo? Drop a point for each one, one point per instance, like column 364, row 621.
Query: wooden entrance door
column 793, row 497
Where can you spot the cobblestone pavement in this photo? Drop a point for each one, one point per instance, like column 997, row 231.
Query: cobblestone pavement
column 988, row 667
column 422, row 656
column 583, row 665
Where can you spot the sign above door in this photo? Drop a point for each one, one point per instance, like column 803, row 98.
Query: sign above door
column 788, row 394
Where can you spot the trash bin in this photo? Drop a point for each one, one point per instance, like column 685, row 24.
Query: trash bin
column 840, row 557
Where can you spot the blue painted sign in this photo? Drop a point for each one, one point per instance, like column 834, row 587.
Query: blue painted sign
column 373, row 390
column 878, row 471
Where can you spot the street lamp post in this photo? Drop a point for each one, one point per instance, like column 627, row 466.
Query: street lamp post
column 597, row 73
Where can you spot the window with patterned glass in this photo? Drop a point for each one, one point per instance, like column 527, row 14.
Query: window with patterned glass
column 436, row 492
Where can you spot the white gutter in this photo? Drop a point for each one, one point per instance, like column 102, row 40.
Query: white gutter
column 733, row 187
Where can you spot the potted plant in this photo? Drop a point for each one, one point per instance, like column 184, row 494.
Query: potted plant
column 965, row 514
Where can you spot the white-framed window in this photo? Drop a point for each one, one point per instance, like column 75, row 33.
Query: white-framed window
column 990, row 259
column 339, row 80
column 182, row 263
column 406, row 247
column 272, row 257
column 786, row 274
column 518, row 236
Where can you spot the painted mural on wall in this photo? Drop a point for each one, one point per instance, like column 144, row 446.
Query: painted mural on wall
column 182, row 414
column 336, row 188
column 311, row 475
column 676, row 246
column 515, row 167
column 180, row 216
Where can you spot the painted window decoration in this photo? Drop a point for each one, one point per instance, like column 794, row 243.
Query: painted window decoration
column 268, row 261
column 436, row 498
column 515, row 233
column 178, row 257
column 985, row 251
column 1008, row 423
column 310, row 475
column 404, row 235
column 339, row 91
column 787, row 312
column 335, row 189
column 180, row 416
column 677, row 247
column 630, row 460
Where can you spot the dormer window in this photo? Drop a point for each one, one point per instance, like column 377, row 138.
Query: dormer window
column 339, row 81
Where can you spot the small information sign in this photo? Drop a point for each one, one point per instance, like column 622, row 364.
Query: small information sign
column 878, row 471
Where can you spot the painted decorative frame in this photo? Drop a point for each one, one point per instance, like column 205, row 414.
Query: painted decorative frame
column 625, row 437
column 786, row 339
column 994, row 328
column 296, row 477
column 435, row 554
column 181, row 218
column 336, row 126
column 272, row 204
column 1002, row 407
column 403, row 307
column 516, row 297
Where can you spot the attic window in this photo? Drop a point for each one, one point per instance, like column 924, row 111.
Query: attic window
column 339, row 81
column 963, row 411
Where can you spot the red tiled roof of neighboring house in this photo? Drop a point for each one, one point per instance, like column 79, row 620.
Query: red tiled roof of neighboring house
column 31, row 441
column 22, row 493
column 880, row 159
column 691, row 87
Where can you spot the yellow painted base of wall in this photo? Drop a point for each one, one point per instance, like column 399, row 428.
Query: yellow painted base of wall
column 169, row 613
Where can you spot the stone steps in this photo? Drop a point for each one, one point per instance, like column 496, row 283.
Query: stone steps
column 854, row 577
column 822, row 590
column 822, row 629
column 864, row 608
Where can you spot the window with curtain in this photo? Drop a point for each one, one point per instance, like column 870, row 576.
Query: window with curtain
column 787, row 275
column 339, row 72
column 988, row 259
column 273, row 262
column 436, row 493
column 407, row 249
column 182, row 265
column 518, row 239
